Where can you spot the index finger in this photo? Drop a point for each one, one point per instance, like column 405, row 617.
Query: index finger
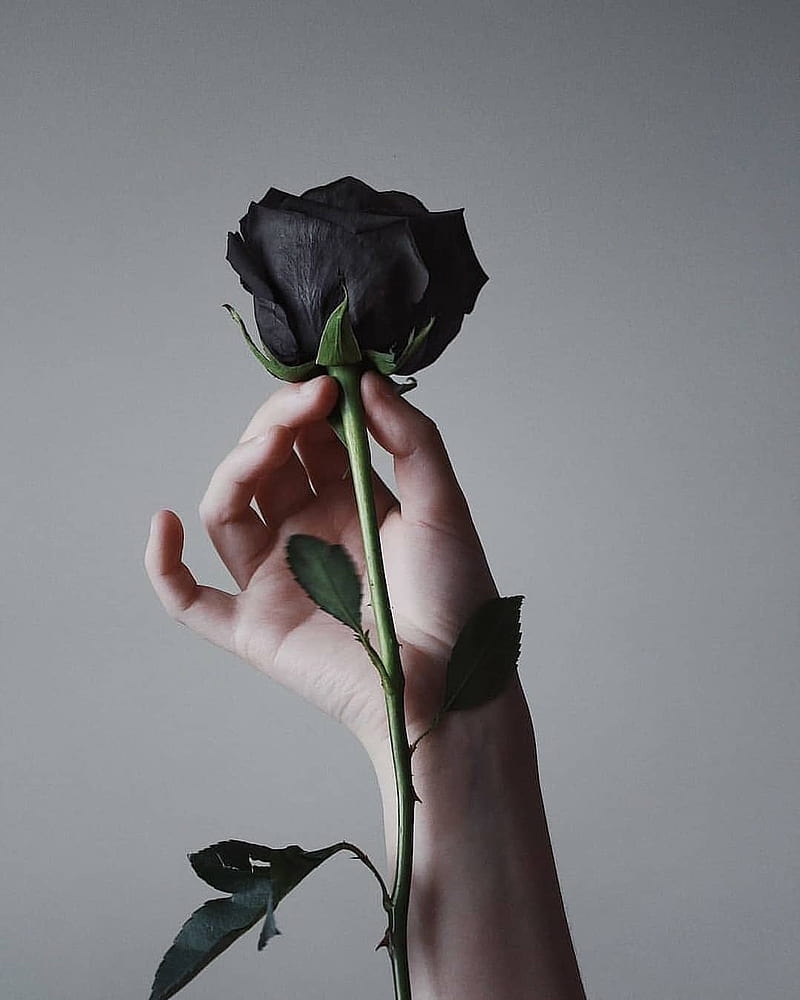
column 428, row 488
column 294, row 405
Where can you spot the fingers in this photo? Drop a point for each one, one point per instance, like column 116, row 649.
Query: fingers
column 323, row 455
column 263, row 466
column 428, row 488
column 294, row 406
column 322, row 458
column 207, row 611
column 239, row 535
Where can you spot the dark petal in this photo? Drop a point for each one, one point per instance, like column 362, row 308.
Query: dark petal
column 273, row 328
column 349, row 219
column 442, row 333
column 274, row 198
column 353, row 195
column 250, row 273
column 301, row 261
column 245, row 226
column 386, row 280
column 307, row 260
column 456, row 275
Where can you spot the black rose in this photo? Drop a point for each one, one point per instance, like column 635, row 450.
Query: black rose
column 408, row 275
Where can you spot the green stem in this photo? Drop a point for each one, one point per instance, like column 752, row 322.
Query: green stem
column 386, row 899
column 355, row 437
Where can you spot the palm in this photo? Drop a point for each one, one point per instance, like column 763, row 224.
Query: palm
column 435, row 569
column 283, row 633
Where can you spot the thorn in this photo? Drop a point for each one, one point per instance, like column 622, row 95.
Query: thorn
column 414, row 795
column 385, row 942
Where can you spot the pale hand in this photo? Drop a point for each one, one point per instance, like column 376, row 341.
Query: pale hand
column 289, row 475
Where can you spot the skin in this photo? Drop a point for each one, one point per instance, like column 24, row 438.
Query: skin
column 487, row 919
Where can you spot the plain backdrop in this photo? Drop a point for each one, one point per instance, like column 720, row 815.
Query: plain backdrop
column 622, row 408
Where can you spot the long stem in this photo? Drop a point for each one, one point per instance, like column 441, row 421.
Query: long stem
column 355, row 435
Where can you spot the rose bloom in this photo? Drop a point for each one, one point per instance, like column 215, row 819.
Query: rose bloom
column 405, row 271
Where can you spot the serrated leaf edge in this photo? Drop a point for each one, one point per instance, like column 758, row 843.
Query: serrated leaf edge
column 487, row 642
column 352, row 622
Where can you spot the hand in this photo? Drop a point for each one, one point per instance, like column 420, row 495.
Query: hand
column 295, row 469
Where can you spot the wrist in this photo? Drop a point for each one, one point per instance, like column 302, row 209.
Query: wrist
column 482, row 853
column 475, row 765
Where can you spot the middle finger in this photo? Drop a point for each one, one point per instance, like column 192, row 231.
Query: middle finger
column 264, row 466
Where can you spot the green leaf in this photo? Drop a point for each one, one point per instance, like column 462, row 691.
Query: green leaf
column 288, row 373
column 268, row 929
column 207, row 933
column 231, row 864
column 258, row 878
column 485, row 655
column 338, row 344
column 328, row 575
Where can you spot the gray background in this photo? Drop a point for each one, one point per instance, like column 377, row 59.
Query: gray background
column 622, row 409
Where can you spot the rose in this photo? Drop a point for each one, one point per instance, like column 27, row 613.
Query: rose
column 408, row 276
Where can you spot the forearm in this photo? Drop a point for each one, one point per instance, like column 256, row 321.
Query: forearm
column 487, row 919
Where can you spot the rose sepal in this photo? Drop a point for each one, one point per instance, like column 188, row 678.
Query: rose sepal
column 338, row 344
column 387, row 362
column 287, row 373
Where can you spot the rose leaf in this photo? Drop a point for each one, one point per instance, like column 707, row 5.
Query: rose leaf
column 207, row 933
column 485, row 655
column 259, row 878
column 328, row 575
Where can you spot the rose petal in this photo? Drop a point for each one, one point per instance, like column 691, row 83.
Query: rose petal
column 299, row 259
column 456, row 275
column 274, row 198
column 250, row 274
column 273, row 328
column 386, row 280
column 444, row 330
column 307, row 260
column 353, row 195
column 351, row 220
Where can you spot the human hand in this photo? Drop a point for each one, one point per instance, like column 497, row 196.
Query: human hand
column 290, row 463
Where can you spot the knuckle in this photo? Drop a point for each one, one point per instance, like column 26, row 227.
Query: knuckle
column 428, row 430
column 176, row 614
column 176, row 609
column 205, row 512
column 212, row 513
